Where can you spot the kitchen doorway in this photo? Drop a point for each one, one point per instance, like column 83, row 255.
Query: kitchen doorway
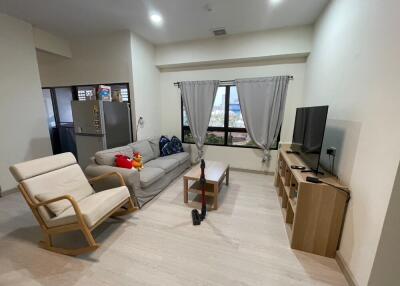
column 59, row 117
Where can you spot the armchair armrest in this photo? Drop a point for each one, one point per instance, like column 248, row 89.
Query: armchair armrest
column 60, row 198
column 105, row 176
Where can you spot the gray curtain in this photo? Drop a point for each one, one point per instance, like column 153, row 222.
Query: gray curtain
column 198, row 99
column 262, row 103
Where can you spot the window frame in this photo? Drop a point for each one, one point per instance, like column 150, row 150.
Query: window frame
column 226, row 129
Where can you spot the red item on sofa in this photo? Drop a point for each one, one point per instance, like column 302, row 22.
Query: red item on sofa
column 123, row 161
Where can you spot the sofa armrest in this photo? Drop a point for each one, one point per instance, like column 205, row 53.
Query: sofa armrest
column 105, row 176
column 130, row 176
column 193, row 155
column 187, row 148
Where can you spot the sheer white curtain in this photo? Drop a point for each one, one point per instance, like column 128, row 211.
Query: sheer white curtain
column 262, row 103
column 198, row 99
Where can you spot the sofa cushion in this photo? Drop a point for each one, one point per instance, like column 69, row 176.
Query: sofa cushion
column 155, row 146
column 180, row 157
column 107, row 157
column 149, row 175
column 66, row 181
column 165, row 163
column 93, row 207
column 144, row 148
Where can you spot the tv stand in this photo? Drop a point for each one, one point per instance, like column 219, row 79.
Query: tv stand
column 292, row 152
column 312, row 170
column 313, row 213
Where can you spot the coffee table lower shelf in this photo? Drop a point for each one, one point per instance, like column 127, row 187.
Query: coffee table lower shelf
column 215, row 173
column 210, row 192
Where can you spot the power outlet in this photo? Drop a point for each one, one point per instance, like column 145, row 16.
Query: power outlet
column 331, row 151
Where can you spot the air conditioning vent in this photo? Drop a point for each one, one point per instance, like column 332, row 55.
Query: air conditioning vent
column 219, row 32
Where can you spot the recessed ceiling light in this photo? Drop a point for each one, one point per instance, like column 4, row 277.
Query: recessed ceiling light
column 156, row 19
column 275, row 2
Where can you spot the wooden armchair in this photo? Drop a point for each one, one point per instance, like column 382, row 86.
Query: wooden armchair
column 63, row 200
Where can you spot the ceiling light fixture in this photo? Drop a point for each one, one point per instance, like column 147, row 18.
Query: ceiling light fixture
column 156, row 19
column 275, row 2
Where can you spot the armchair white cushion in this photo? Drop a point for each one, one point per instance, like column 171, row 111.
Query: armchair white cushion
column 66, row 181
column 93, row 207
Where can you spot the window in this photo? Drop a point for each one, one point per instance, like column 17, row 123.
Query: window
column 122, row 89
column 89, row 92
column 86, row 93
column 226, row 127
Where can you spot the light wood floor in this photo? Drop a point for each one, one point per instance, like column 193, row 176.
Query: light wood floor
column 242, row 243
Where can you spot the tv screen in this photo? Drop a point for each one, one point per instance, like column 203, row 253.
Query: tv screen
column 308, row 134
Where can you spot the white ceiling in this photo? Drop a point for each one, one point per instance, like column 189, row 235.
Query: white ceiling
column 183, row 19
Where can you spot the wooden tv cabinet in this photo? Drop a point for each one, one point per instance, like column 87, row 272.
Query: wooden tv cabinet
column 313, row 213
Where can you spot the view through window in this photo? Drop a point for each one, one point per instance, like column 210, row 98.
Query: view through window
column 226, row 127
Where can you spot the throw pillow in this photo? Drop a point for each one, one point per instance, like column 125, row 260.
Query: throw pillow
column 163, row 141
column 167, row 149
column 176, row 145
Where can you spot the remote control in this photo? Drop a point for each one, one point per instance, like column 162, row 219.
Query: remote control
column 297, row 167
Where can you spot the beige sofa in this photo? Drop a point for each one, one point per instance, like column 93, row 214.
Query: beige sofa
column 143, row 185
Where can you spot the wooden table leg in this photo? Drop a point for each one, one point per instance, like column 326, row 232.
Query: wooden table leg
column 185, row 190
column 227, row 176
column 216, row 187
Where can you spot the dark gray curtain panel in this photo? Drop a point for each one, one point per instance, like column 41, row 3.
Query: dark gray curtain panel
column 198, row 99
column 262, row 103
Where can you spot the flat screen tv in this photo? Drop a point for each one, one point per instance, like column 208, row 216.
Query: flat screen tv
column 308, row 134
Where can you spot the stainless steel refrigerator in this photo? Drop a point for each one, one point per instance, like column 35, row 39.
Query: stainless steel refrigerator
column 100, row 125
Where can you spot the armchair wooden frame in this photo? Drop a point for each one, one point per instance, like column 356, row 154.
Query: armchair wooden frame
column 126, row 207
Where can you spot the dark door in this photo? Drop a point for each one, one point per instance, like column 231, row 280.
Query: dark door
column 59, row 117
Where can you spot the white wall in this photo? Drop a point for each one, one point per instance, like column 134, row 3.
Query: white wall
column 112, row 58
column 95, row 60
column 279, row 43
column 50, row 43
column 146, row 83
column 236, row 157
column 387, row 255
column 353, row 67
column 100, row 59
column 23, row 126
column 260, row 54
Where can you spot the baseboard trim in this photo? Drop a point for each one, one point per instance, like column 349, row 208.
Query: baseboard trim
column 252, row 171
column 7, row 192
column 345, row 269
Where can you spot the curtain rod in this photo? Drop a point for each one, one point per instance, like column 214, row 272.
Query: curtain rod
column 226, row 82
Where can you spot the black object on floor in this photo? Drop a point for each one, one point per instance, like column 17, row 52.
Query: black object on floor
column 196, row 217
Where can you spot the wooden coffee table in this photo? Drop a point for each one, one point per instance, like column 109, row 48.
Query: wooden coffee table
column 215, row 173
